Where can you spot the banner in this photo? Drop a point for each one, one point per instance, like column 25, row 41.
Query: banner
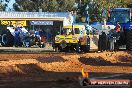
column 41, row 22
column 24, row 15
column 14, row 23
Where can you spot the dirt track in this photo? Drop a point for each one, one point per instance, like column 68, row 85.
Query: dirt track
column 61, row 70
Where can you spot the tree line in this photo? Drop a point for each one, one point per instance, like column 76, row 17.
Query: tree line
column 93, row 7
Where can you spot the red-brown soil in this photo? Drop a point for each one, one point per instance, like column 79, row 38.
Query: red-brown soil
column 61, row 70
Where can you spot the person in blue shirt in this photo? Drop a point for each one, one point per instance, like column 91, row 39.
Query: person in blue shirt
column 17, row 38
column 37, row 37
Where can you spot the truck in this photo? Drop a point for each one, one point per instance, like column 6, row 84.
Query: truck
column 124, row 17
column 73, row 37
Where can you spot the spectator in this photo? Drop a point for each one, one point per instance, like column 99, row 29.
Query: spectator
column 118, row 27
column 112, row 39
column 37, row 37
column 102, row 43
column 17, row 38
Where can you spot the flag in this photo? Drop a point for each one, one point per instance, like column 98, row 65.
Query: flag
column 131, row 11
column 109, row 11
column 87, row 19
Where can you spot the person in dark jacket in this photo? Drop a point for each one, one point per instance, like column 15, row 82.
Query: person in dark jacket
column 17, row 38
column 102, row 43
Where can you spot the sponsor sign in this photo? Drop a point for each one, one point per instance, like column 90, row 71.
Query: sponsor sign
column 41, row 22
column 33, row 14
column 14, row 23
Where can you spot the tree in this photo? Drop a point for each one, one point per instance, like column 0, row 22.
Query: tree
column 96, row 7
column 24, row 5
column 65, row 5
column 45, row 5
column 3, row 4
column 50, row 5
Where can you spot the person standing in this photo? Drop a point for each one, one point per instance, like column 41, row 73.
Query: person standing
column 118, row 27
column 112, row 39
column 17, row 37
column 102, row 43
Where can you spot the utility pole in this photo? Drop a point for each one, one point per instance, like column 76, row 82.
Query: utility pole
column 39, row 6
column 80, row 2
column 87, row 15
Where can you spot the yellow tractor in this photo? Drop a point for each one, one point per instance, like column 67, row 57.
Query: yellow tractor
column 72, row 37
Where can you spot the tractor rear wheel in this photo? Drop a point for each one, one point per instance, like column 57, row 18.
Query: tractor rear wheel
column 129, row 40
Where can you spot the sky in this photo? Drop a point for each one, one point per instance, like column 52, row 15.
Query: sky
column 10, row 5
